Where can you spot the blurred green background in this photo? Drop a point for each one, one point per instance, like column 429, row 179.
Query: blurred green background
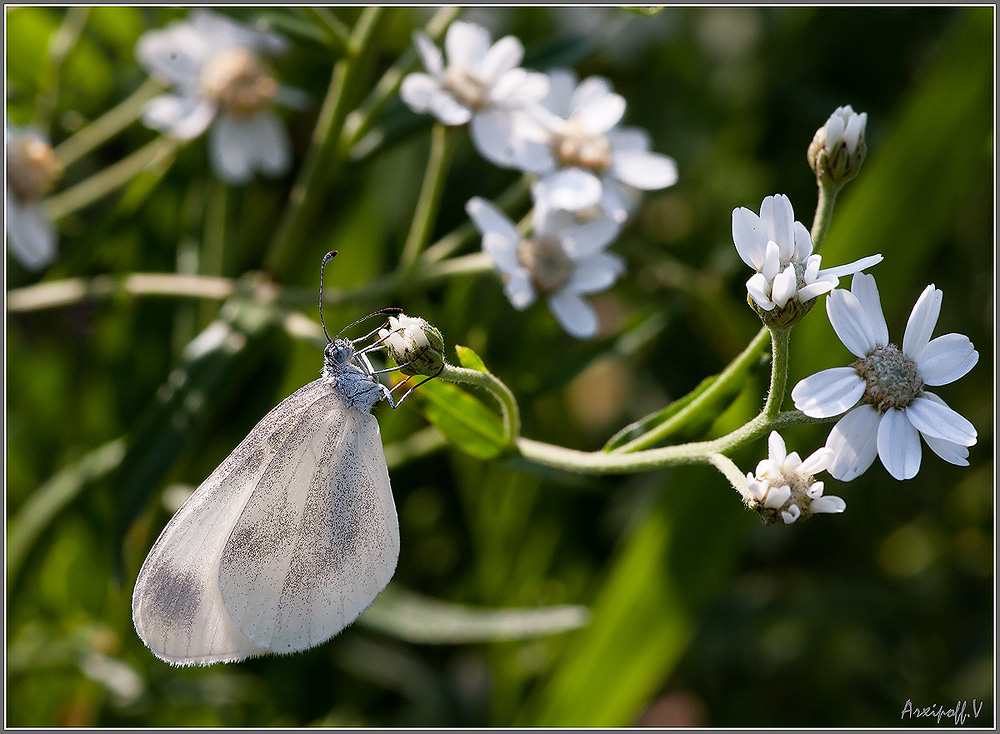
column 699, row 615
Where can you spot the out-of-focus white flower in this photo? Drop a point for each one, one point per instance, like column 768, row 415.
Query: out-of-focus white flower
column 584, row 156
column 32, row 171
column 784, row 485
column 562, row 260
column 214, row 65
column 884, row 388
column 838, row 148
column 781, row 251
column 481, row 84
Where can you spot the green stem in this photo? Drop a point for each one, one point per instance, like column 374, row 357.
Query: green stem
column 732, row 372
column 63, row 41
column 442, row 147
column 730, row 471
column 779, row 371
column 502, row 394
column 338, row 33
column 107, row 125
column 827, row 197
column 113, row 177
column 512, row 198
column 361, row 120
column 323, row 159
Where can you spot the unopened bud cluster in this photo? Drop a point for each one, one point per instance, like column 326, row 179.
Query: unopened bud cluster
column 838, row 148
column 415, row 345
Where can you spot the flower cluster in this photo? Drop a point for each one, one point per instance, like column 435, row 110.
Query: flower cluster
column 784, row 485
column 215, row 65
column 590, row 168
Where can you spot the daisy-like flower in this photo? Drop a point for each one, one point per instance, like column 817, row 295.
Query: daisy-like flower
column 32, row 171
column 481, row 84
column 838, row 148
column 562, row 260
column 883, row 390
column 785, row 487
column 214, row 64
column 584, row 156
column 780, row 249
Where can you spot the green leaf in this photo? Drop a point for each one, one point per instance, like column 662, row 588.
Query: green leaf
column 469, row 359
column 463, row 419
column 647, row 423
column 414, row 618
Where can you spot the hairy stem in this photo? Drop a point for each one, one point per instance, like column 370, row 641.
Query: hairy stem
column 827, row 197
column 510, row 413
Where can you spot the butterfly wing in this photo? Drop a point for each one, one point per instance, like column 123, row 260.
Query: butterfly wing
column 318, row 538
column 176, row 605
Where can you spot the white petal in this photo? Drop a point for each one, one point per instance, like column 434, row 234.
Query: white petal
column 827, row 504
column 596, row 273
column 772, row 260
column 898, row 445
column 270, row 144
column 429, row 54
column 850, row 320
column 617, row 200
column 946, row 359
column 231, row 151
column 783, row 287
column 493, row 137
column 448, row 110
column 855, row 267
column 816, row 462
column 31, row 237
column 488, row 218
column 466, row 45
column 520, row 88
column 504, row 254
column 803, row 245
column 175, row 55
column 570, row 188
column 776, row 448
column 179, row 117
column 755, row 489
column 749, row 237
column 223, row 32
column 834, row 130
column 633, row 139
column 923, row 319
column 562, row 84
column 791, row 514
column 778, row 218
column 505, row 55
column 817, row 288
column 418, row 89
column 937, row 420
column 777, row 496
column 519, row 291
column 854, row 443
column 575, row 314
column 951, row 452
column 759, row 289
column 593, row 90
column 601, row 114
column 646, row 171
column 855, row 126
column 583, row 240
column 828, row 393
column 865, row 289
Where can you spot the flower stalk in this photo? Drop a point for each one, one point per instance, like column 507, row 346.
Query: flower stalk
column 509, row 411
column 442, row 147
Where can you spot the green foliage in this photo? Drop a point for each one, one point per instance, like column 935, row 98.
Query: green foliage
column 524, row 595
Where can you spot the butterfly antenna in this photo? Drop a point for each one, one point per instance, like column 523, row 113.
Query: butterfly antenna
column 326, row 258
column 387, row 311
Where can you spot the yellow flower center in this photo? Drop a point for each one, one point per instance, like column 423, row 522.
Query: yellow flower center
column 238, row 81
column 467, row 88
column 576, row 146
column 547, row 262
column 32, row 168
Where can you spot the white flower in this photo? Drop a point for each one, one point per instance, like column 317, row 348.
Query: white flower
column 584, row 157
column 214, row 65
column 844, row 125
column 885, row 386
column 785, row 487
column 781, row 251
column 563, row 260
column 481, row 83
column 415, row 345
column 32, row 170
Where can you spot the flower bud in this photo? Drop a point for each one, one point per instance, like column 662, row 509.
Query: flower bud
column 414, row 345
column 838, row 148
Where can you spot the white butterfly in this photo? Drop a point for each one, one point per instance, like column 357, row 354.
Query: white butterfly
column 289, row 539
